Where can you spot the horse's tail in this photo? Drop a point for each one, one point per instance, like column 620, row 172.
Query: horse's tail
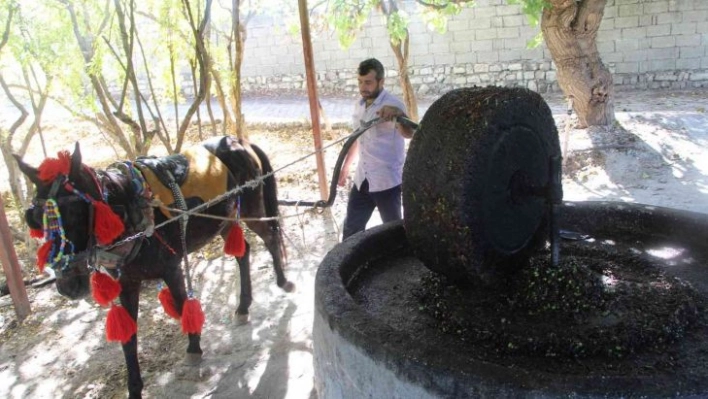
column 270, row 189
column 270, row 196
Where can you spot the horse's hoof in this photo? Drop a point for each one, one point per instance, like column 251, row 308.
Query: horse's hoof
column 241, row 319
column 193, row 359
column 289, row 287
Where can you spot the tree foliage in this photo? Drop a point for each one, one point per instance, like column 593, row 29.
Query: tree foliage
column 532, row 9
column 120, row 65
column 436, row 13
column 123, row 65
column 347, row 18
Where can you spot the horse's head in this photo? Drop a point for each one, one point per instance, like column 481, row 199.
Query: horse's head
column 66, row 206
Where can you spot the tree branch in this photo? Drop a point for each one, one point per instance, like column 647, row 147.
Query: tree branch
column 157, row 119
column 8, row 24
column 202, row 59
column 432, row 5
column 17, row 105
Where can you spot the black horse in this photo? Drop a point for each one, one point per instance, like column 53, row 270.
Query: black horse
column 76, row 191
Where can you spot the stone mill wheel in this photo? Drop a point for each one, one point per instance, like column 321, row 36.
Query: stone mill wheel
column 476, row 181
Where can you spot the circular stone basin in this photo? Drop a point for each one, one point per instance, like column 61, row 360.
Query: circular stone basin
column 372, row 338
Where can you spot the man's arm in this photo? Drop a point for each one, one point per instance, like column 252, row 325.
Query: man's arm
column 348, row 160
column 389, row 112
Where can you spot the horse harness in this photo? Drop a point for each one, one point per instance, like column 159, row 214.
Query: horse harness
column 167, row 178
column 139, row 218
column 142, row 215
column 137, row 215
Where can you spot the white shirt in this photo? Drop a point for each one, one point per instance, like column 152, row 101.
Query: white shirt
column 381, row 148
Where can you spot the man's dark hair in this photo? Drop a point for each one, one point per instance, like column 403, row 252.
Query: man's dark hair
column 372, row 64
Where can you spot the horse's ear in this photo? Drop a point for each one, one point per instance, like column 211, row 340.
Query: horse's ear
column 75, row 170
column 29, row 171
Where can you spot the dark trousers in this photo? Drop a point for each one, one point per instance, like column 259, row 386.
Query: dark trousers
column 362, row 203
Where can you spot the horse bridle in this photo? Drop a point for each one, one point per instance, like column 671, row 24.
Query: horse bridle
column 87, row 256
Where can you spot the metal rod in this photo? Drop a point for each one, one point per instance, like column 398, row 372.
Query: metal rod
column 312, row 95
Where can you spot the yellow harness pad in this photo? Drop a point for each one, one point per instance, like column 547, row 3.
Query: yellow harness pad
column 207, row 178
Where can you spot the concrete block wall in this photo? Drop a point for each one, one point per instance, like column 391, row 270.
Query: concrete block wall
column 645, row 43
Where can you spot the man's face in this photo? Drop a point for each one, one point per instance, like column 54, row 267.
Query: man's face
column 369, row 86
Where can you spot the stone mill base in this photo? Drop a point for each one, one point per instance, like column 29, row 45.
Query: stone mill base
column 368, row 339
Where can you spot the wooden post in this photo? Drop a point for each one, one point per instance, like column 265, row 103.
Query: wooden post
column 312, row 94
column 11, row 267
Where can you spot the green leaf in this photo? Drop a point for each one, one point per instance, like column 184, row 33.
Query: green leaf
column 535, row 42
column 533, row 9
column 397, row 24
column 347, row 18
column 437, row 14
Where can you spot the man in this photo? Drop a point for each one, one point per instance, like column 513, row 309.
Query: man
column 381, row 152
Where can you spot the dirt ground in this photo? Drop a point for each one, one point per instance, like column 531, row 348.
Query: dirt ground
column 654, row 154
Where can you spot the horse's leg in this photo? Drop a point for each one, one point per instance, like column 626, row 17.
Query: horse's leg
column 245, row 299
column 273, row 242
column 175, row 282
column 129, row 297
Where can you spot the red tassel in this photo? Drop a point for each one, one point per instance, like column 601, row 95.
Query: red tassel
column 50, row 168
column 168, row 302
column 108, row 225
column 192, row 317
column 235, row 243
column 43, row 255
column 120, row 327
column 36, row 233
column 104, row 288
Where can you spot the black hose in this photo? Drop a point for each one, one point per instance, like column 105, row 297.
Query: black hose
column 340, row 160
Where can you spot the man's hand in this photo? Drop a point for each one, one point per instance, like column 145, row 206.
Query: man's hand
column 388, row 112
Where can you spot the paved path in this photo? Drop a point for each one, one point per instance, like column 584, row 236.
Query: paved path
column 293, row 108
column 274, row 109
column 296, row 108
column 288, row 108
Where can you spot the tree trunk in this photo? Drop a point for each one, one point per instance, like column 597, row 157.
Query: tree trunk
column 6, row 145
column 210, row 110
column 201, row 54
column 141, row 136
column 193, row 68
column 409, row 99
column 401, row 50
column 221, row 98
column 238, row 37
column 86, row 45
column 570, row 32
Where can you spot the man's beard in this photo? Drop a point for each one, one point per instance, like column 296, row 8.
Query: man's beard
column 371, row 95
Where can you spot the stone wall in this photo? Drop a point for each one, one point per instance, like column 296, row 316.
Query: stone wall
column 645, row 43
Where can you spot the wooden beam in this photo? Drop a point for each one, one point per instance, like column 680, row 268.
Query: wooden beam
column 11, row 267
column 312, row 94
